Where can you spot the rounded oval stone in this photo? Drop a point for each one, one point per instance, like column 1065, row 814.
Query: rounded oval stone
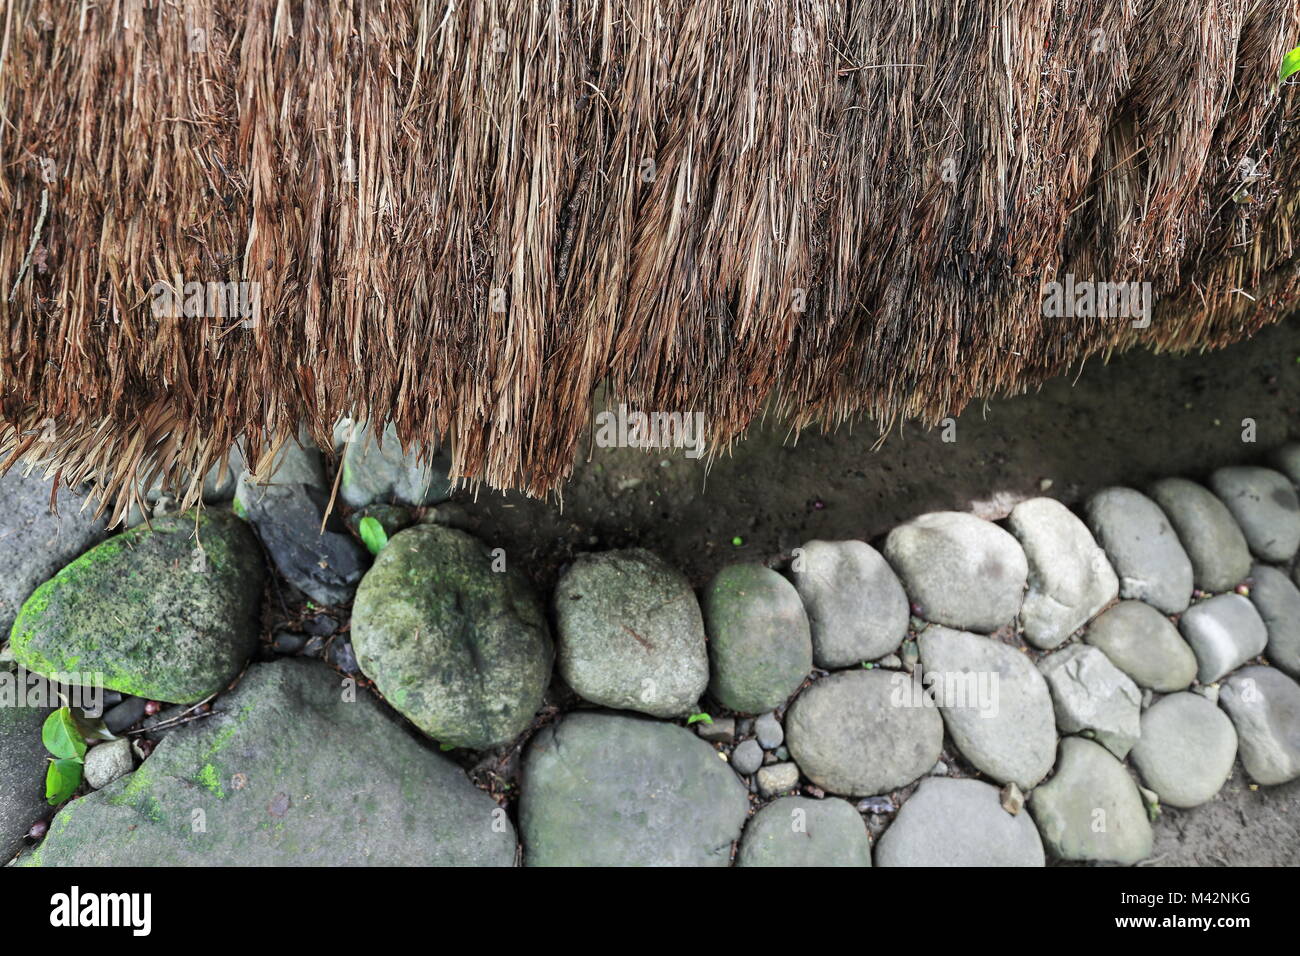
column 609, row 790
column 1264, row 705
column 994, row 702
column 965, row 572
column 461, row 649
column 167, row 612
column 1186, row 750
column 760, row 645
column 630, row 633
column 1278, row 602
column 1264, row 503
column 1224, row 632
column 1213, row 541
column 1145, row 645
column 856, row 605
column 800, row 831
column 1142, row 547
column 955, row 822
column 862, row 733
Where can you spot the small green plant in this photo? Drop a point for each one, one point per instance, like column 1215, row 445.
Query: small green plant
column 62, row 738
column 698, row 719
column 373, row 534
column 1290, row 64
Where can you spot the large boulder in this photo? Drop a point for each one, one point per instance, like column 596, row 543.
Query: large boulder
column 1264, row 705
column 863, row 732
column 1187, row 749
column 1213, row 541
column 799, row 831
column 1264, row 503
column 630, row 633
column 954, row 822
column 965, row 572
column 380, row 470
column 35, row 542
column 452, row 637
column 994, row 702
column 1224, row 632
column 1070, row 579
column 1142, row 547
column 1277, row 600
column 1093, row 697
column 1091, row 809
column 1145, row 645
column 856, row 605
column 289, row 771
column 760, row 647
column 168, row 612
column 611, row 790
column 22, row 771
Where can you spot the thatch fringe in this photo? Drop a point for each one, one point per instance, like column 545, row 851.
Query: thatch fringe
column 464, row 217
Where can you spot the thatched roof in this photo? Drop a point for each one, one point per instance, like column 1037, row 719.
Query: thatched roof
column 464, row 217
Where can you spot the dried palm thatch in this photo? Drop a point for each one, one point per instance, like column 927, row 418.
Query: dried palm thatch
column 466, row 216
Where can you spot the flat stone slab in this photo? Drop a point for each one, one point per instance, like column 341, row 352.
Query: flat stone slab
column 456, row 642
column 863, row 732
column 1145, row 645
column 286, row 773
column 168, row 613
column 856, row 604
column 23, row 761
column 1277, row 600
column 963, row 571
column 1142, row 547
column 1093, row 696
column 35, row 543
column 799, row 831
column 1264, row 504
column 953, row 822
column 1210, row 535
column 1091, row 809
column 607, row 790
column 760, row 645
column 1224, row 632
column 1264, row 705
column 1070, row 580
column 1187, row 749
column 630, row 634
column 994, row 702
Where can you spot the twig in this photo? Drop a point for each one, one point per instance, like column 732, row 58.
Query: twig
column 31, row 248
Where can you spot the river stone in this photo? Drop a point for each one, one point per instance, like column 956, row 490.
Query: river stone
column 290, row 771
column 1264, row 705
column 965, row 572
column 994, row 702
column 22, row 774
column 611, row 790
column 379, row 470
column 630, row 633
column 1287, row 460
column 1091, row 809
column 1278, row 602
column 955, row 822
column 1187, row 749
column 107, row 762
column 1224, row 632
column 863, row 732
column 1264, row 504
column 151, row 611
column 1213, row 541
column 296, row 462
column 1089, row 693
column 461, row 649
column 1070, row 579
column 1145, row 645
column 35, row 543
column 760, row 647
column 856, row 606
column 1142, row 547
column 799, row 831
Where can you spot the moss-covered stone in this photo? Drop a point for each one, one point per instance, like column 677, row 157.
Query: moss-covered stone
column 168, row 612
column 452, row 637
column 289, row 771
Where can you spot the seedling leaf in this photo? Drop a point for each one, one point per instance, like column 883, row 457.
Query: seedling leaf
column 373, row 534
column 62, row 780
column 61, row 736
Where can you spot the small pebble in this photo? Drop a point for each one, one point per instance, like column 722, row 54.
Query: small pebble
column 747, row 757
column 288, row 642
column 124, row 715
column 777, row 778
column 343, row 657
column 770, row 732
column 721, row 730
column 1013, row 801
column 322, row 624
column 876, row 805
